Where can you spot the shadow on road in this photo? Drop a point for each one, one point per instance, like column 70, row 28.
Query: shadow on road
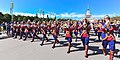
column 117, row 42
column 63, row 43
column 97, row 51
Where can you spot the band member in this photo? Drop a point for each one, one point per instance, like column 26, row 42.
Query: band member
column 71, row 28
column 76, row 30
column 39, row 27
column 99, row 30
column 80, row 28
column 17, row 29
column 28, row 30
column 85, row 41
column 69, row 38
column 55, row 37
column 95, row 28
column 88, row 27
column 104, row 41
column 109, row 27
column 65, row 27
column 44, row 32
column 111, row 42
column 107, row 19
column 76, row 33
column 14, row 29
column 8, row 27
column 49, row 28
column 35, row 27
column 58, row 29
column 22, row 29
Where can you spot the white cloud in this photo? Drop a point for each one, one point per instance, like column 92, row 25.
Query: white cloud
column 19, row 13
column 45, row 16
column 24, row 14
column 79, row 16
column 103, row 15
column 4, row 12
column 72, row 15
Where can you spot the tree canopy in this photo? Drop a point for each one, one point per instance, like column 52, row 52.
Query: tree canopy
column 7, row 18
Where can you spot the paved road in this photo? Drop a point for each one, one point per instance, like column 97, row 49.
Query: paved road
column 14, row 49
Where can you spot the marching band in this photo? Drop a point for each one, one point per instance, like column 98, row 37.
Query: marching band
column 102, row 28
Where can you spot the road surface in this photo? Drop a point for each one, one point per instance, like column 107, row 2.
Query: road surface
column 14, row 49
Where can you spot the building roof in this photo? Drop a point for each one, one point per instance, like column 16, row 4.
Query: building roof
column 88, row 12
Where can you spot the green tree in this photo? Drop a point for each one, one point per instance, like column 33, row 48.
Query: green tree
column 1, row 17
column 15, row 18
column 7, row 17
column 31, row 18
column 115, row 18
column 25, row 18
column 19, row 17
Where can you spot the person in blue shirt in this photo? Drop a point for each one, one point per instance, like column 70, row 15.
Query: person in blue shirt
column 104, row 42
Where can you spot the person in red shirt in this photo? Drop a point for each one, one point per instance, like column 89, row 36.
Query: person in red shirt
column 54, row 33
column 49, row 28
column 35, row 31
column 111, row 42
column 76, row 33
column 104, row 41
column 44, row 36
column 85, row 41
column 28, row 30
column 22, row 29
column 69, row 38
column 14, row 29
column 17, row 26
column 99, row 30
column 80, row 28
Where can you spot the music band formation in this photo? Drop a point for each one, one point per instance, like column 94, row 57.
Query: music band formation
column 102, row 28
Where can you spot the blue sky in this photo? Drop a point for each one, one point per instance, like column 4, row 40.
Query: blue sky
column 63, row 8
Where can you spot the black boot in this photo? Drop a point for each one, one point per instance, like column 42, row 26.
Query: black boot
column 68, row 51
column 42, row 43
column 54, row 45
column 24, row 39
column 32, row 40
column 86, row 56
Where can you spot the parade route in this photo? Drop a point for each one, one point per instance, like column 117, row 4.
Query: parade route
column 14, row 49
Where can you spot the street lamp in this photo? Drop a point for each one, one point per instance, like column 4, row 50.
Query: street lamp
column 43, row 14
column 11, row 10
column 40, row 12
